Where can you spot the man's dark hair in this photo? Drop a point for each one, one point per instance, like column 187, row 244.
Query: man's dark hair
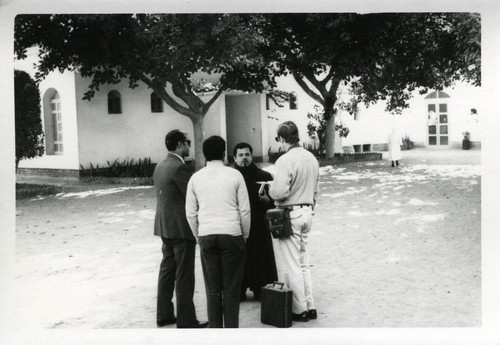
column 289, row 132
column 173, row 138
column 242, row 146
column 214, row 148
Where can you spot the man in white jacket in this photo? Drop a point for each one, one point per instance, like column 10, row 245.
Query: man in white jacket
column 296, row 187
column 218, row 213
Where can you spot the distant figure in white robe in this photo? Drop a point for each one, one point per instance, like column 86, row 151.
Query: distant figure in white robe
column 472, row 126
column 395, row 141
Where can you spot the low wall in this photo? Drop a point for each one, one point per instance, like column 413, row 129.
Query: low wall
column 48, row 173
column 473, row 144
column 339, row 158
column 380, row 147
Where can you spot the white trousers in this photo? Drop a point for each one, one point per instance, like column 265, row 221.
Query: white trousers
column 293, row 261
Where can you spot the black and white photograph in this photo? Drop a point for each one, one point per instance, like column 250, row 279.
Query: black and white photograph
column 303, row 174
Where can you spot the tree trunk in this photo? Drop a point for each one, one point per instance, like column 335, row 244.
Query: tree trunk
column 328, row 108
column 329, row 100
column 330, row 137
column 199, row 159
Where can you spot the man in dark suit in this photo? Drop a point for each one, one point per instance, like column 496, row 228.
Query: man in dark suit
column 177, row 266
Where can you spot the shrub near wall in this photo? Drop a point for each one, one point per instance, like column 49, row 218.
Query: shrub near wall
column 128, row 168
column 274, row 155
column 336, row 159
column 339, row 158
column 407, row 143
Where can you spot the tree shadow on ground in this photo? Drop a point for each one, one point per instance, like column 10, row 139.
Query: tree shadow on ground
column 398, row 247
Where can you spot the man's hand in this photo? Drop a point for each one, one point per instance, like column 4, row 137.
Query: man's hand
column 264, row 199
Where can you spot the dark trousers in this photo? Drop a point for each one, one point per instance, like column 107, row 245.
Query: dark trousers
column 223, row 263
column 176, row 270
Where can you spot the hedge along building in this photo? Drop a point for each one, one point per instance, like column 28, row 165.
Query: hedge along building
column 123, row 123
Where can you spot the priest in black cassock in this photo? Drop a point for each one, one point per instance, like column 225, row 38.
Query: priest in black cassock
column 260, row 266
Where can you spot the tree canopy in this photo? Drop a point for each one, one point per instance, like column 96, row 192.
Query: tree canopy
column 161, row 50
column 28, row 123
column 383, row 56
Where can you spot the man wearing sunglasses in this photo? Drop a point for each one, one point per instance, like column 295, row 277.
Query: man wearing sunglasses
column 177, row 266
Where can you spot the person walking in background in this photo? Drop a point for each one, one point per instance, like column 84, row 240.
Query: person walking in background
column 260, row 266
column 296, row 187
column 394, row 141
column 177, row 266
column 218, row 212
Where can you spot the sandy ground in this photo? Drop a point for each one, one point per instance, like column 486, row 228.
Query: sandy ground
column 390, row 247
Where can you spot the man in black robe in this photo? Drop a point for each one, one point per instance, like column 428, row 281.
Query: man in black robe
column 260, row 266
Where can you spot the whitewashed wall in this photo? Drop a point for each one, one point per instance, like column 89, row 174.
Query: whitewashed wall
column 136, row 133
column 64, row 84
column 276, row 115
column 375, row 122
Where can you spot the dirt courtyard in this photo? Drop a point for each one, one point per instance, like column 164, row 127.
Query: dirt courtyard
column 389, row 247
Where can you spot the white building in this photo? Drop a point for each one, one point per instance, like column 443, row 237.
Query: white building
column 120, row 123
column 434, row 120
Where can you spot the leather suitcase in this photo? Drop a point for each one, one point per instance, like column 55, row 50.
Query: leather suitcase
column 276, row 305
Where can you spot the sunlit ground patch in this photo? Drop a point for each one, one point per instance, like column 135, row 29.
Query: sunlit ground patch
column 116, row 217
column 98, row 192
column 419, row 219
column 418, row 202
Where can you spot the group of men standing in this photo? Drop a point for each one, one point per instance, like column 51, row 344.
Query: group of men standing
column 223, row 210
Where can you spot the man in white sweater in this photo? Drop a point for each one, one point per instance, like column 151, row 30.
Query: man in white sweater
column 296, row 187
column 218, row 212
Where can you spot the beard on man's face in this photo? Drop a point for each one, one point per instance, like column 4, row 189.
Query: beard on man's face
column 244, row 162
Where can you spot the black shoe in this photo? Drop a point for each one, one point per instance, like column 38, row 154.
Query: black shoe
column 392, row 165
column 397, row 163
column 313, row 315
column 303, row 317
column 163, row 323
column 197, row 324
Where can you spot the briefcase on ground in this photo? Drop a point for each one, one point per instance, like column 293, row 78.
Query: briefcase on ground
column 276, row 305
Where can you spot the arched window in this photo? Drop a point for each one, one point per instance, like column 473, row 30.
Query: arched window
column 53, row 128
column 156, row 103
column 55, row 110
column 437, row 94
column 114, row 102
